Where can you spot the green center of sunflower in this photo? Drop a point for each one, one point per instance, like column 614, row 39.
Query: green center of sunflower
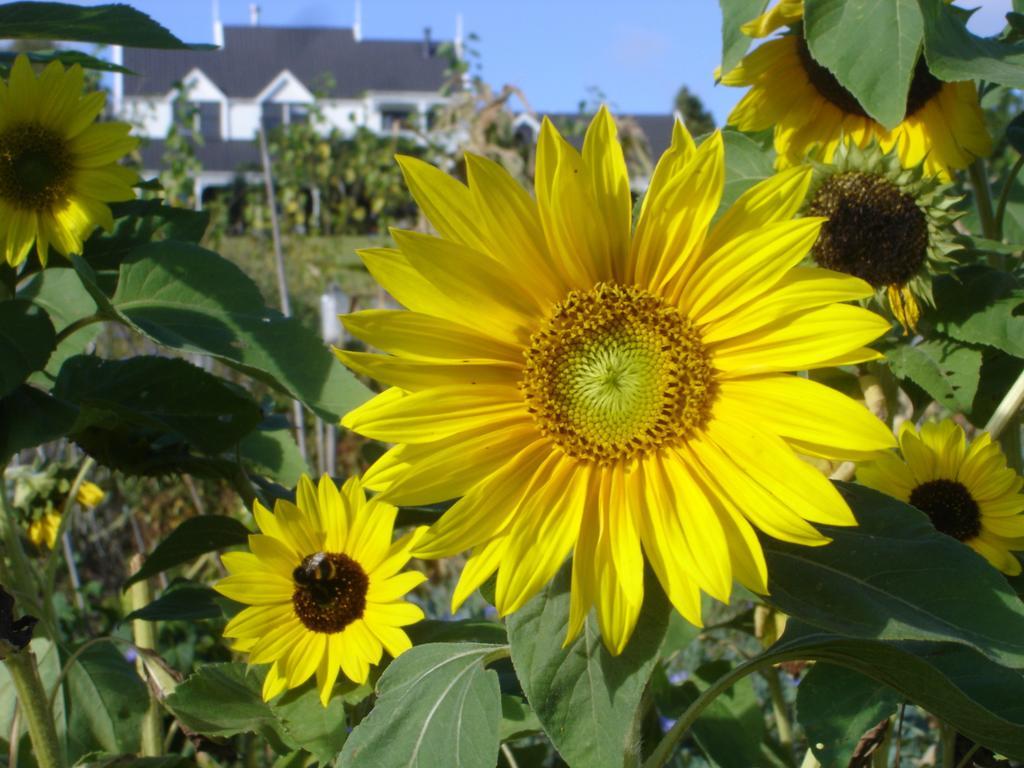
column 616, row 372
column 330, row 592
column 874, row 231
column 35, row 167
column 923, row 86
column 951, row 507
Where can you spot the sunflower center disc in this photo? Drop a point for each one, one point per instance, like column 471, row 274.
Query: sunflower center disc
column 923, row 86
column 35, row 167
column 951, row 507
column 616, row 372
column 874, row 231
column 330, row 592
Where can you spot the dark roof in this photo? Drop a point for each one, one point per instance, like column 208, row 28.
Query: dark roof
column 214, row 155
column 253, row 56
column 657, row 128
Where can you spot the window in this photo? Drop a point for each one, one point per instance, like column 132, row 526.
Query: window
column 273, row 115
column 395, row 118
column 208, row 119
column 297, row 113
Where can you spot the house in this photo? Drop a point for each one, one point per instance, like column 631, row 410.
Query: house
column 268, row 75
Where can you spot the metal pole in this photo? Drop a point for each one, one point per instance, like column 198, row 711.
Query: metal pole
column 282, row 280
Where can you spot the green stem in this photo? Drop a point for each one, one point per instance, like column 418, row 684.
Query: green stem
column 53, row 559
column 34, row 705
column 663, row 752
column 966, row 761
column 781, row 714
column 1004, row 195
column 78, row 325
column 948, row 738
column 144, row 633
column 1005, row 423
column 983, row 198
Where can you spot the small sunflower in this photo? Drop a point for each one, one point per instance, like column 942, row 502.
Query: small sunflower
column 590, row 388
column 968, row 492
column 887, row 225
column 324, row 584
column 58, row 167
column 809, row 110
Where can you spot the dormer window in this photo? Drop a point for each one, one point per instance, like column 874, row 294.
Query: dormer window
column 208, row 119
column 276, row 113
column 395, row 118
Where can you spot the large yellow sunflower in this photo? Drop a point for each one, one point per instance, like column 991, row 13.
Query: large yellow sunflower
column 593, row 389
column 809, row 110
column 58, row 167
column 324, row 584
column 968, row 492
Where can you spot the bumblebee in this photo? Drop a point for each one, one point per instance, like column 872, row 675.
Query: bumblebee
column 315, row 568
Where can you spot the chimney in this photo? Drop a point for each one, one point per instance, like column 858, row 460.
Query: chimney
column 218, row 25
column 357, row 22
column 426, row 43
column 254, row 14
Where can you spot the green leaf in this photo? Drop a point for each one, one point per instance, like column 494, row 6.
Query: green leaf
column 136, row 223
column 308, row 724
column 110, row 24
column 871, row 46
column 954, row 53
column 736, row 13
column 981, row 306
column 193, row 537
column 108, row 700
column 190, row 299
column 225, row 700
column 837, row 706
column 437, row 704
column 181, row 600
column 747, row 162
column 67, row 58
column 586, row 699
column 946, row 370
column 274, row 453
column 29, row 418
column 157, row 399
column 26, row 340
column 1015, row 130
column 894, row 577
column 517, row 719
column 464, row 631
column 981, row 699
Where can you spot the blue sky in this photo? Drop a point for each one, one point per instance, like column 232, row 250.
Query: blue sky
column 637, row 53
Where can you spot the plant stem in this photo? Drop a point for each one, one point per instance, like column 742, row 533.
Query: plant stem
column 966, row 761
column 1006, row 415
column 948, row 739
column 663, row 752
column 35, row 706
column 983, row 199
column 779, row 710
column 53, row 559
column 78, row 325
column 144, row 633
column 1004, row 195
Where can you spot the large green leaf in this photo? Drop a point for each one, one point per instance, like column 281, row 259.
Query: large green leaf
column 836, row 706
column 182, row 600
column 112, row 24
column 29, row 418
column 981, row 699
column 274, row 453
column 193, row 537
column 437, row 704
column 894, row 577
column 954, row 53
column 586, row 699
column 155, row 399
column 309, row 724
column 871, row 46
column 747, row 161
column 981, row 306
column 26, row 341
column 945, row 369
column 187, row 298
column 108, row 700
column 225, row 700
column 736, row 13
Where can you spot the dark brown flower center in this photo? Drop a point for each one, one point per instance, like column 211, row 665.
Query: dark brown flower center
column 923, row 86
column 35, row 167
column 330, row 592
column 874, row 231
column 951, row 507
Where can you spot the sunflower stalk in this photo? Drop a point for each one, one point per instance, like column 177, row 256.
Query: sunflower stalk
column 34, row 706
column 144, row 633
column 1004, row 195
column 781, row 714
column 983, row 199
column 1007, row 414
